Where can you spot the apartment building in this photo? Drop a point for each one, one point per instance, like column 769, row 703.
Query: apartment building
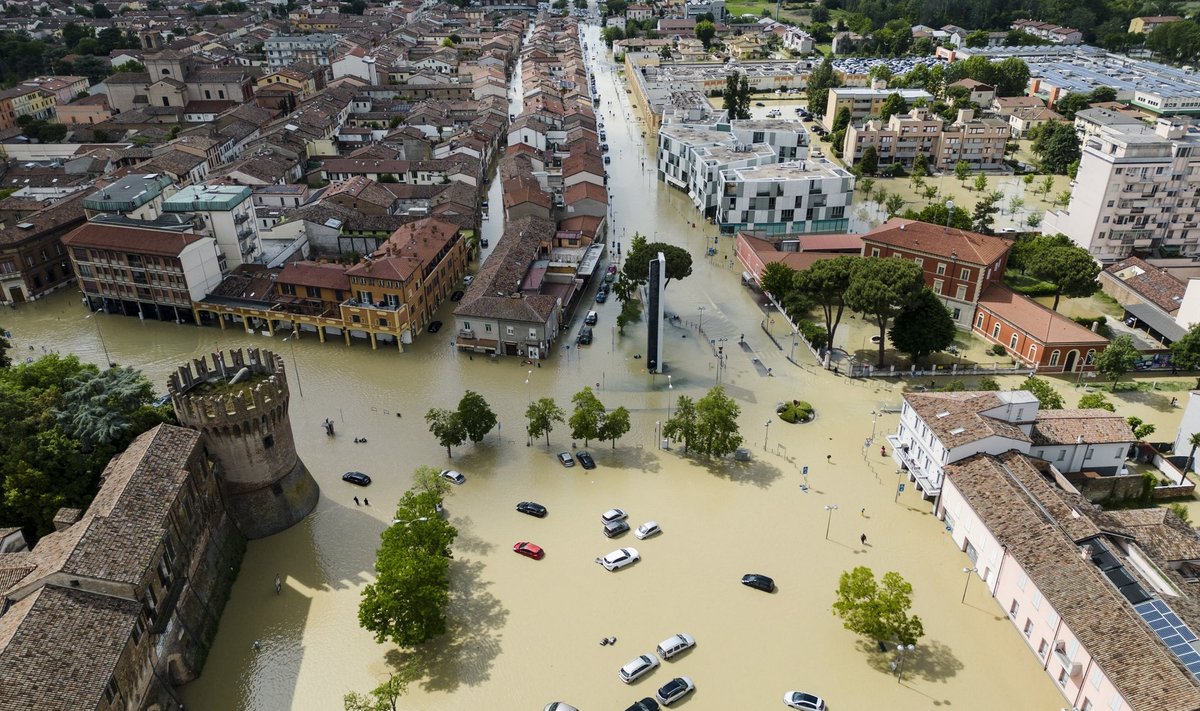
column 939, row 429
column 143, row 271
column 316, row 49
column 957, row 265
column 1103, row 599
column 692, row 157
column 1136, row 188
column 1144, row 25
column 226, row 214
column 1049, row 31
column 979, row 142
column 864, row 102
column 811, row 195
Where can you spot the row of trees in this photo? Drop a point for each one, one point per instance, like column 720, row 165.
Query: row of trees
column 890, row 292
column 707, row 426
column 63, row 421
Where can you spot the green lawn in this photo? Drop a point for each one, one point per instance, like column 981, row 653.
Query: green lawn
column 756, row 7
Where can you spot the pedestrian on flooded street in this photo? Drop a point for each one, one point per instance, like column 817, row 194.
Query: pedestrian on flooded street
column 366, row 501
column 278, row 584
column 356, row 501
column 863, row 539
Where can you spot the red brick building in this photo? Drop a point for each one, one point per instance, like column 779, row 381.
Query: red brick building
column 1034, row 334
column 958, row 265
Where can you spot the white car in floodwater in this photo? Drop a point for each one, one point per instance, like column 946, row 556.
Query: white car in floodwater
column 619, row 558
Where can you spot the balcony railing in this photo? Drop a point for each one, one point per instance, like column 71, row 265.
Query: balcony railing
column 379, row 305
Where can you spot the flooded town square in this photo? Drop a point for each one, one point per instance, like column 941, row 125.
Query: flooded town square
column 523, row 632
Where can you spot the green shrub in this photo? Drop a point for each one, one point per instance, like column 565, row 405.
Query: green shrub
column 988, row 383
column 998, row 349
column 1028, row 285
column 813, row 333
column 795, row 411
column 1101, row 321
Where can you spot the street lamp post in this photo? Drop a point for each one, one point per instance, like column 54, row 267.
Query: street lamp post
column 766, row 434
column 830, row 508
column 657, row 434
column 949, row 212
column 700, row 325
column 792, row 355
column 968, row 572
column 903, row 649
column 103, row 345
column 670, row 387
column 528, row 394
column 295, row 366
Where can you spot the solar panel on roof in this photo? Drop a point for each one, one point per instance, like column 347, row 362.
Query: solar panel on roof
column 1170, row 629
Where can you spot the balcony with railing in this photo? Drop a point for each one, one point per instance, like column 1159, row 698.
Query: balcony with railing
column 377, row 305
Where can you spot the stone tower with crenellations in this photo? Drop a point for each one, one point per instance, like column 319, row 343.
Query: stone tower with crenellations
column 247, row 429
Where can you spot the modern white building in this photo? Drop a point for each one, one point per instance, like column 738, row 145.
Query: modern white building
column 1137, row 187
column 317, row 49
column 811, row 195
column 225, row 213
column 693, row 157
column 939, row 429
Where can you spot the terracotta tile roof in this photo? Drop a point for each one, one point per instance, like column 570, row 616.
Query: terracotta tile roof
column 408, row 250
column 1156, row 530
column 1130, row 655
column 125, row 521
column 1041, row 323
column 958, row 418
column 1066, row 426
column 328, row 276
column 913, row 236
column 128, row 239
column 585, row 190
column 62, row 647
column 522, row 189
column 1148, row 281
column 496, row 291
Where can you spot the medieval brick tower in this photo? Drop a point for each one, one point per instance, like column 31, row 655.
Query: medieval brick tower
column 246, row 428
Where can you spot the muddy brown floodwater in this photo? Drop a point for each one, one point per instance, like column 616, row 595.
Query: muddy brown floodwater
column 525, row 632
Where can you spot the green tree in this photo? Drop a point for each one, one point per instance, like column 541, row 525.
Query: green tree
column 1055, row 145
column 962, row 170
column 98, row 404
column 1194, row 442
column 5, row 347
column 988, row 383
column 1117, row 359
column 937, row 214
column 406, row 605
column 841, row 120
column 825, row 283
column 1072, row 103
column 682, row 426
column 820, row 81
column 1141, row 429
column 778, row 280
column 1096, row 401
column 385, row 696
column 716, row 423
column 981, row 181
column 1046, row 185
column 637, row 260
column 882, row 288
column 1103, row 94
column 737, row 96
column 541, row 415
column 869, row 163
column 985, row 212
column 587, row 417
column 978, row 38
column 1067, row 266
column 705, row 31
column 1044, row 392
column 447, row 426
column 892, row 105
column 1185, row 353
column 924, row 327
column 614, row 425
column 476, row 416
column 893, row 205
column 877, row 610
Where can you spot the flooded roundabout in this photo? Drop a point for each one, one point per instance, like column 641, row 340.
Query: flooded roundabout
column 523, row 632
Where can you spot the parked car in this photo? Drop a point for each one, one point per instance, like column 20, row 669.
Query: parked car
column 646, row 704
column 483, row 242
column 647, row 529
column 585, row 460
column 675, row 644
column 559, row 706
column 529, row 550
column 759, row 103
column 619, row 558
column 601, row 297
column 638, row 667
column 612, row 529
column 357, row 478
column 591, row 318
column 468, row 279
column 758, row 582
column 675, row 690
column 607, row 159
column 435, row 326
column 801, row 700
column 613, row 515
column 532, row 508
column 457, row 296
column 453, row 477
column 585, row 336
column 565, row 459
